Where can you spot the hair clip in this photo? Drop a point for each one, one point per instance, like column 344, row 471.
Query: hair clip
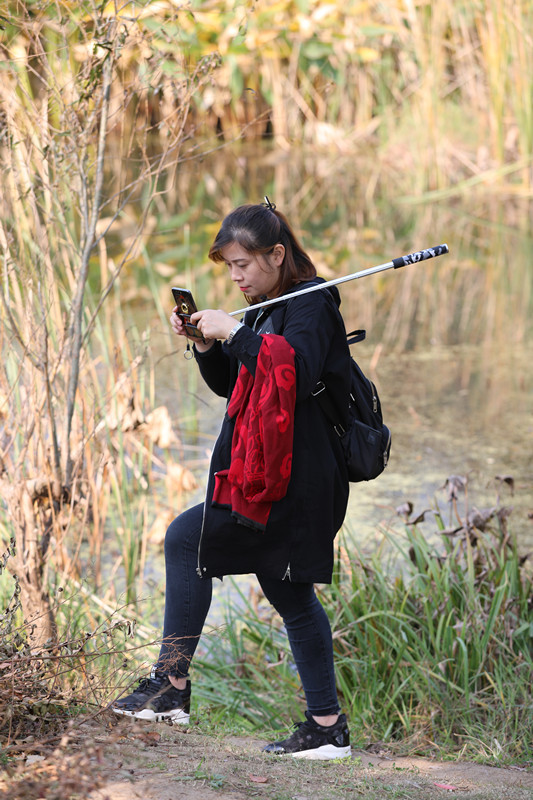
column 269, row 205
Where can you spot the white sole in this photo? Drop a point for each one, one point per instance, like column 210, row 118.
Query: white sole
column 176, row 717
column 325, row 753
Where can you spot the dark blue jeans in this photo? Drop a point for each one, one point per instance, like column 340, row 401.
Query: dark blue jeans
column 187, row 602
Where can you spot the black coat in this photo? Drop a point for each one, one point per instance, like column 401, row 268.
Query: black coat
column 298, row 540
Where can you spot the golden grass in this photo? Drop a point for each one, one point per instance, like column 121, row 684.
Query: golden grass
column 449, row 84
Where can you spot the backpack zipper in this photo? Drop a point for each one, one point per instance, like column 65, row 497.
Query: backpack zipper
column 385, row 457
column 287, row 575
column 374, row 398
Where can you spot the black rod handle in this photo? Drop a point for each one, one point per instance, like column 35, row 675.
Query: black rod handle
column 421, row 255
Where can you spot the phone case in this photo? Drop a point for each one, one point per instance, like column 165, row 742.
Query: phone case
column 185, row 307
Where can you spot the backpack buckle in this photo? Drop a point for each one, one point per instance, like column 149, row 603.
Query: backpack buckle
column 319, row 388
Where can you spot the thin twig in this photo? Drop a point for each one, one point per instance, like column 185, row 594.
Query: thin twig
column 77, row 305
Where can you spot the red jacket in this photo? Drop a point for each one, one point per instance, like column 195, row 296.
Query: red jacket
column 261, row 453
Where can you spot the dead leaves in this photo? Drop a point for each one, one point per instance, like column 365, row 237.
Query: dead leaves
column 59, row 775
column 475, row 519
column 179, row 479
column 455, row 484
column 258, row 778
column 158, row 427
column 506, row 480
column 125, row 411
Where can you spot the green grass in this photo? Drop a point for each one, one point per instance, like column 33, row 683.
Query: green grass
column 434, row 649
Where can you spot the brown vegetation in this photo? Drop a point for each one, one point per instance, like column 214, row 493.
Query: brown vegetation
column 57, row 445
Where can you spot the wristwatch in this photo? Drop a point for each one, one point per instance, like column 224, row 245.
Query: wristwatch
column 233, row 331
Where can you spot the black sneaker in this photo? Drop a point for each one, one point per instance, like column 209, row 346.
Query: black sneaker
column 313, row 741
column 156, row 699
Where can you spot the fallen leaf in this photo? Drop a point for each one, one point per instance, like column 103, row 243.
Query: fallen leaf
column 258, row 779
column 149, row 737
column 446, row 786
column 34, row 759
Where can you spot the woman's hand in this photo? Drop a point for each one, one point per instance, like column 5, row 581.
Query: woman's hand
column 179, row 328
column 213, row 324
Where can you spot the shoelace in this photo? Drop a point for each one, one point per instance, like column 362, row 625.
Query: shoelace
column 150, row 685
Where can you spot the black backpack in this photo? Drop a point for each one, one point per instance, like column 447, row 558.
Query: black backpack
column 366, row 441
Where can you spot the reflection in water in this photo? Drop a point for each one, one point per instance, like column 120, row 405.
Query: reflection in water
column 461, row 410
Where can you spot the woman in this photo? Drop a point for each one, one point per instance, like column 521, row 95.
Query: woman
column 277, row 488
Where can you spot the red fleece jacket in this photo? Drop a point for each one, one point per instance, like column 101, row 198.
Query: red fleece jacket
column 261, row 451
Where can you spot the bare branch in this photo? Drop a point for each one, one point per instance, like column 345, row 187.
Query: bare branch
column 77, row 305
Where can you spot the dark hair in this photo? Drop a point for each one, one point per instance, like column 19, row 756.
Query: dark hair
column 259, row 229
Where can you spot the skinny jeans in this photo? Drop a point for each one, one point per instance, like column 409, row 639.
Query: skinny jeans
column 187, row 602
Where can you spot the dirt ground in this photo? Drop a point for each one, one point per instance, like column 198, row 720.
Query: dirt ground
column 108, row 760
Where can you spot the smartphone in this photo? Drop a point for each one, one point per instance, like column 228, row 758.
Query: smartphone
column 185, row 307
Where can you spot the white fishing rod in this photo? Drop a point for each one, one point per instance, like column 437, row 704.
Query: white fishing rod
column 396, row 263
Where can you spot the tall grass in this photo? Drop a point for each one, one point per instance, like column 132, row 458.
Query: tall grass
column 78, row 427
column 429, row 654
column 445, row 89
column 433, row 635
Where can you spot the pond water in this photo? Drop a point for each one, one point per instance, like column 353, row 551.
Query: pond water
column 448, row 341
column 452, row 411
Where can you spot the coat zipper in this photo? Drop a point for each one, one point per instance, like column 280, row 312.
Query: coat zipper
column 199, row 570
column 287, row 575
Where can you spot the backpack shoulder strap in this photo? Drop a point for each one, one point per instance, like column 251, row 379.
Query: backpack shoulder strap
column 328, row 407
column 321, row 391
column 357, row 336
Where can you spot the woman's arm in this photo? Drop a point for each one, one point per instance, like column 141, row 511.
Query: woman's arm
column 312, row 324
column 215, row 368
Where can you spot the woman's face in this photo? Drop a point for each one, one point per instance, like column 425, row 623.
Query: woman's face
column 254, row 275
